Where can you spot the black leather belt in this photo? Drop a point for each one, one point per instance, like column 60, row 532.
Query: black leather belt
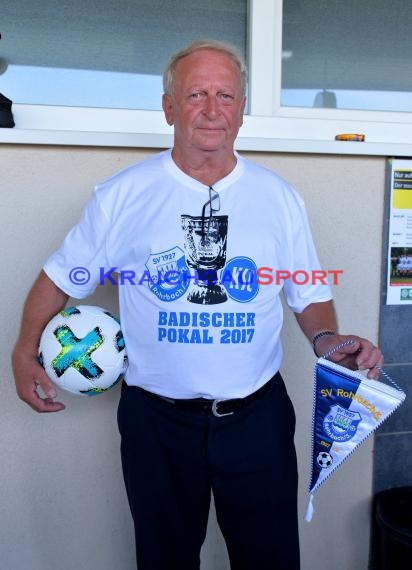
column 218, row 408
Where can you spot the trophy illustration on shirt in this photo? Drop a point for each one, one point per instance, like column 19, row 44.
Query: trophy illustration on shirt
column 205, row 250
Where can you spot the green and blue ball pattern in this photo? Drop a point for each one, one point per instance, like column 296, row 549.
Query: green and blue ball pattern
column 83, row 351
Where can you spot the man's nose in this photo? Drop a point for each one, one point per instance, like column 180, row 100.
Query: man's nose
column 211, row 108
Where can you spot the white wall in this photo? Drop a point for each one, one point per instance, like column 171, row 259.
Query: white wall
column 62, row 501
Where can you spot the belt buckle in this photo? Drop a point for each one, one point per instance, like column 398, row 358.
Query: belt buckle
column 215, row 403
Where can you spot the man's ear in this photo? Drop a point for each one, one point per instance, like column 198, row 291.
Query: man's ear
column 167, row 104
column 242, row 111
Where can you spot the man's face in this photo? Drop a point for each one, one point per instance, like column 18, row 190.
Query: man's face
column 206, row 107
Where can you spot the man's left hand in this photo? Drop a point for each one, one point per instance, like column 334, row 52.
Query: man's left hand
column 360, row 354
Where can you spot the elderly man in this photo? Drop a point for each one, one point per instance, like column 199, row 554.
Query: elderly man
column 203, row 407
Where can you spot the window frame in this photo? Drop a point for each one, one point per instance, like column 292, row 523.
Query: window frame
column 268, row 126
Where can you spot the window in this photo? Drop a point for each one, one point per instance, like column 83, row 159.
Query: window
column 317, row 68
column 104, row 53
column 347, row 55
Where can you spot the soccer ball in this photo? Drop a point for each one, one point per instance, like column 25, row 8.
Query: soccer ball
column 82, row 350
column 324, row 460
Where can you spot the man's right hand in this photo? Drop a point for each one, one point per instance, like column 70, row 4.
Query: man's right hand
column 32, row 383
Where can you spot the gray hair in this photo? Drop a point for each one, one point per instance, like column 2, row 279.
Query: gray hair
column 226, row 48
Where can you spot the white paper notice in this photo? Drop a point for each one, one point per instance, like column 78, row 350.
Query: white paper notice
column 400, row 233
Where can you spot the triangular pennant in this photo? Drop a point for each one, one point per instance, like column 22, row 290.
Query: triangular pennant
column 347, row 408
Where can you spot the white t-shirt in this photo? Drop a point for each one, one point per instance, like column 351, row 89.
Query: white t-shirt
column 189, row 333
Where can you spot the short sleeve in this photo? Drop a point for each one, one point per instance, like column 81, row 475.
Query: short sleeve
column 307, row 282
column 75, row 267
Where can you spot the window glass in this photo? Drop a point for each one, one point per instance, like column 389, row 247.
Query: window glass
column 104, row 53
column 347, row 54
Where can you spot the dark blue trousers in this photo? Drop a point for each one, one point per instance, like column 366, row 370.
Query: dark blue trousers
column 172, row 459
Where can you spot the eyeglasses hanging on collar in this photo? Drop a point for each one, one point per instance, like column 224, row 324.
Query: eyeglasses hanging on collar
column 214, row 206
